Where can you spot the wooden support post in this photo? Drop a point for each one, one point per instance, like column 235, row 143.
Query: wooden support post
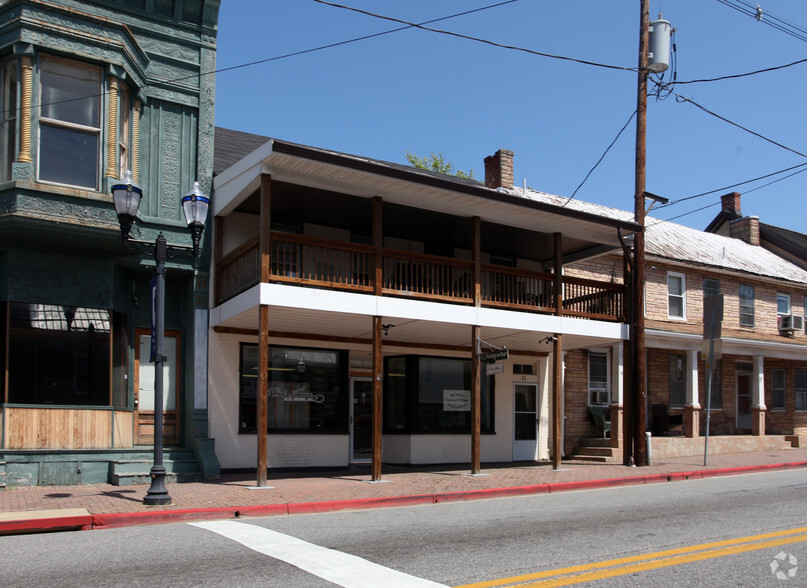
column 378, row 377
column 476, row 256
column 476, row 402
column 378, row 243
column 262, row 397
column 557, row 401
column 557, row 360
column 558, row 269
column 637, row 327
column 263, row 366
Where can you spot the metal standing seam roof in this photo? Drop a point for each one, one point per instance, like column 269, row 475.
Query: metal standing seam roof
column 668, row 240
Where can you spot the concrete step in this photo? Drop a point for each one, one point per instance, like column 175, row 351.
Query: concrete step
column 595, row 449
column 174, row 466
column 117, row 479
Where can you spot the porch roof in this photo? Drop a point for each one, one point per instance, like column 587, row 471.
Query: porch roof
column 241, row 158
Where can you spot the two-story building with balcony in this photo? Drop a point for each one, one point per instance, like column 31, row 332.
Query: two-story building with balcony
column 758, row 388
column 365, row 310
column 90, row 90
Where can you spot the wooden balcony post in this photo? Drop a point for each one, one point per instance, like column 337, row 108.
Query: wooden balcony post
column 558, row 240
column 476, row 256
column 266, row 227
column 378, row 371
column 476, row 402
column 378, row 243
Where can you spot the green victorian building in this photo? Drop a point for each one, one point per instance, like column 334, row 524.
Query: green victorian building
column 90, row 90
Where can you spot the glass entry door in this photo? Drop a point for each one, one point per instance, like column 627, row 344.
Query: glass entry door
column 525, row 422
column 361, row 419
column 144, row 389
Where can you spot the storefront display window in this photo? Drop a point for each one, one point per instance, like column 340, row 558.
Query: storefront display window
column 61, row 355
column 307, row 390
column 432, row 395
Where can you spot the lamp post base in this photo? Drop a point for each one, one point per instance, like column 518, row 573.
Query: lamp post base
column 157, row 494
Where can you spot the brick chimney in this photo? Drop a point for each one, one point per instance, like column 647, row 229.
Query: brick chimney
column 499, row 169
column 746, row 228
column 731, row 203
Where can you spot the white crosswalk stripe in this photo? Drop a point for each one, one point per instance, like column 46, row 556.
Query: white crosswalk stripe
column 340, row 568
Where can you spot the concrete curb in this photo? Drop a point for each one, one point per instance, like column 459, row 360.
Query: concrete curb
column 80, row 519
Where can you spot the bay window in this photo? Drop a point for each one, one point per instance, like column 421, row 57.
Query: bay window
column 70, row 123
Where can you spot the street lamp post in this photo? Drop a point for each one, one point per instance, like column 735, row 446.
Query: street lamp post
column 127, row 196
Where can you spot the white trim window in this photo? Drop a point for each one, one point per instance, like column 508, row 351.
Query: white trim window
column 746, row 294
column 676, row 296
column 599, row 388
column 70, row 123
column 782, row 304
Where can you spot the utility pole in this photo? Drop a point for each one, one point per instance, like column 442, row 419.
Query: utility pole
column 639, row 396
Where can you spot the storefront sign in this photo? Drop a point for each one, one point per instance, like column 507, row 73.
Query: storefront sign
column 290, row 392
column 495, row 355
column 494, row 368
column 456, row 400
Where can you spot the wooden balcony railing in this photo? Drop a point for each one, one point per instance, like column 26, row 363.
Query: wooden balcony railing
column 511, row 288
column 427, row 276
column 296, row 259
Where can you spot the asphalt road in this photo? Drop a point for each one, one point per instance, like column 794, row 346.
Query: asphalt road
column 649, row 530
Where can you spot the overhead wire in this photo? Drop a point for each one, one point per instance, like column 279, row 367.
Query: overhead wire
column 619, row 134
column 476, row 39
column 275, row 58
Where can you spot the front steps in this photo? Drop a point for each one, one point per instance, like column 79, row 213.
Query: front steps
column 596, row 450
column 180, row 466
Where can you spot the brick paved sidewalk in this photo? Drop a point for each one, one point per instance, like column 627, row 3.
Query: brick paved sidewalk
column 234, row 491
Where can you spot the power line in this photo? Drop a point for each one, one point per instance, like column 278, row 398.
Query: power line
column 619, row 134
column 803, row 168
column 680, row 98
column 476, row 39
column 743, row 75
column 767, row 18
column 275, row 58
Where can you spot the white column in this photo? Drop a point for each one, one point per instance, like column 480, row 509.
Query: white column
column 758, row 384
column 692, row 380
column 617, row 372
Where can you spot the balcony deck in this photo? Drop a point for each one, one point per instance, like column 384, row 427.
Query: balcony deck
column 321, row 263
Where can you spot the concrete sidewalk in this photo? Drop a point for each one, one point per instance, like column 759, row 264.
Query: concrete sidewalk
column 44, row 508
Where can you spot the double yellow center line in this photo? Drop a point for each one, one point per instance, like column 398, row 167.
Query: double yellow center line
column 650, row 561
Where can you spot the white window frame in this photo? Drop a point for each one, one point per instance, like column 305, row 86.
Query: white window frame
column 596, row 391
column 783, row 297
column 682, row 295
column 751, row 306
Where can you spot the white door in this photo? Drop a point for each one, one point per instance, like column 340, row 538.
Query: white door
column 361, row 419
column 525, row 422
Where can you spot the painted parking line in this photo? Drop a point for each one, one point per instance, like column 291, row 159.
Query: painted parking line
column 650, row 561
column 335, row 566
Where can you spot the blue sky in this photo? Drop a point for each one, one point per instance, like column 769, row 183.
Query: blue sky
column 423, row 92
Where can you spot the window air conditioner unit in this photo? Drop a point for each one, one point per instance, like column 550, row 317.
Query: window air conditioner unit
column 791, row 322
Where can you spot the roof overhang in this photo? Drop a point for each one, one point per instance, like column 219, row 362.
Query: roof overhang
column 363, row 177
